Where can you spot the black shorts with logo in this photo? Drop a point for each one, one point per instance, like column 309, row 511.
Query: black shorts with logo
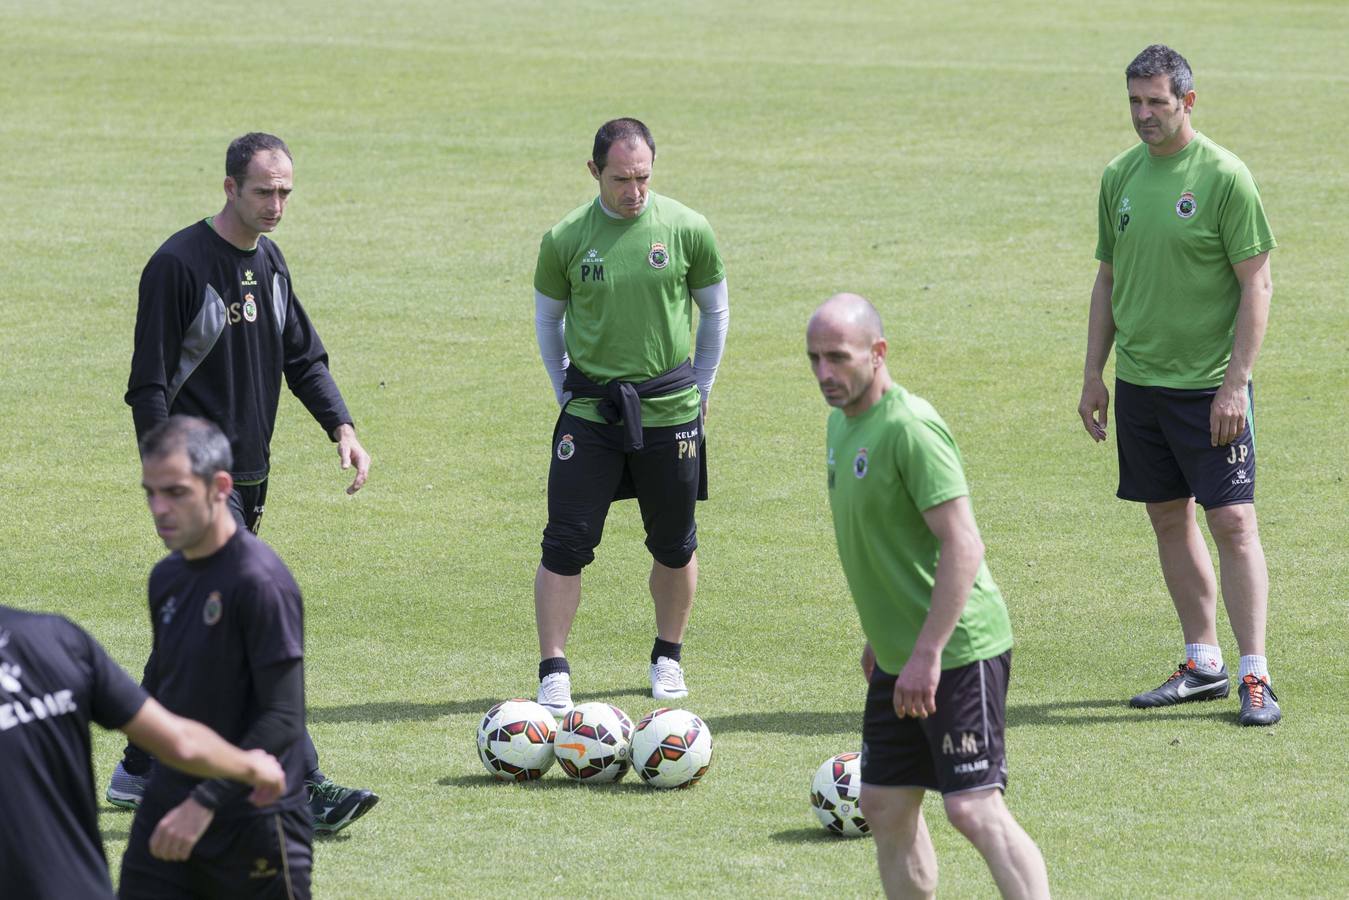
column 1166, row 453
column 958, row 748
column 264, row 856
column 246, row 503
column 590, row 470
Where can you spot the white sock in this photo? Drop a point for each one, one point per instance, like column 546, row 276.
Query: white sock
column 1207, row 657
column 1253, row 665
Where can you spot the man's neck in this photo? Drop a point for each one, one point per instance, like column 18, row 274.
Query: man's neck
column 228, row 227
column 223, row 527
column 879, row 385
column 1176, row 144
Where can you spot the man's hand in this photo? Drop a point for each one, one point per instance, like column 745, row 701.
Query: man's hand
column 180, row 829
column 351, row 453
column 267, row 777
column 916, row 687
column 1094, row 407
column 1227, row 415
column 868, row 661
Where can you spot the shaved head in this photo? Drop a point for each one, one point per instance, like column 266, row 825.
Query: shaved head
column 852, row 314
column 846, row 347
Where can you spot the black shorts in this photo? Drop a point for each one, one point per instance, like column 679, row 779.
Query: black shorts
column 1165, row 448
column 589, row 470
column 265, row 856
column 246, row 504
column 956, row 749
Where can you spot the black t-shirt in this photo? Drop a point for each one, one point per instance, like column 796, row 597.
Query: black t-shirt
column 217, row 621
column 216, row 328
column 54, row 680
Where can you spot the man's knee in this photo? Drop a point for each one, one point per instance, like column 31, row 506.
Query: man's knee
column 977, row 813
column 1234, row 524
column 1171, row 517
column 673, row 552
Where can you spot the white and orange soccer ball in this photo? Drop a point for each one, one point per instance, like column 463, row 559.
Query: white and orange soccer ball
column 515, row 740
column 671, row 748
column 834, row 794
column 592, row 743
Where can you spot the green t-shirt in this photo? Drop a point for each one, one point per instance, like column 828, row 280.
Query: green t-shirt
column 886, row 467
column 1172, row 227
column 626, row 284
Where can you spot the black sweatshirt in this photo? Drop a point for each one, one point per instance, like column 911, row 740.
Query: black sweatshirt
column 215, row 330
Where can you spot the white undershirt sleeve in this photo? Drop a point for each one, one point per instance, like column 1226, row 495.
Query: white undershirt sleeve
column 550, row 331
column 714, row 317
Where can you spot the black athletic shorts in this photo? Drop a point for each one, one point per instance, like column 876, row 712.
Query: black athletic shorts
column 956, row 749
column 1165, row 448
column 589, row 470
column 246, row 504
column 266, row 856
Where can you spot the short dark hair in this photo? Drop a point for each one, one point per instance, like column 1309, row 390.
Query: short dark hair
column 242, row 150
column 616, row 130
column 1160, row 59
column 207, row 448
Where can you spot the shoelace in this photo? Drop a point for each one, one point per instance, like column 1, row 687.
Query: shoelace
column 667, row 674
column 1256, row 689
column 1181, row 671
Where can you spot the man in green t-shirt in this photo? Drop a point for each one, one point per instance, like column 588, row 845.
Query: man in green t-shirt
column 614, row 291
column 1183, row 293
column 939, row 643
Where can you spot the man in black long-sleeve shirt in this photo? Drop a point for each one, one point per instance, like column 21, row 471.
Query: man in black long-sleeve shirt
column 218, row 326
column 229, row 653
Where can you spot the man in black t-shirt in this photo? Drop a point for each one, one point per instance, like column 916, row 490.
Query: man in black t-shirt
column 54, row 680
column 229, row 652
column 217, row 328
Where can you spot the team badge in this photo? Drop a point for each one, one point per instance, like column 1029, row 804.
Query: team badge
column 213, row 609
column 658, row 258
column 566, row 448
column 859, row 463
column 250, row 308
column 1186, row 206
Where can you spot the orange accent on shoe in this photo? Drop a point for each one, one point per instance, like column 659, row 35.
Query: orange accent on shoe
column 1255, row 687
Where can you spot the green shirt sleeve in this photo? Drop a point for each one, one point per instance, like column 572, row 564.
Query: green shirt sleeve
column 705, row 265
column 1241, row 222
column 1105, row 226
column 550, row 273
column 929, row 464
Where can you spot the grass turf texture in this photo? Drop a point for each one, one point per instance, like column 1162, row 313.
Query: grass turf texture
column 941, row 159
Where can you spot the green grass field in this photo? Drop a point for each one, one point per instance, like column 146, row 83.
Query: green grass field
column 942, row 159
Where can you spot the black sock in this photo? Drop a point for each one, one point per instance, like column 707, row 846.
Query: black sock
column 553, row 664
column 136, row 761
column 665, row 648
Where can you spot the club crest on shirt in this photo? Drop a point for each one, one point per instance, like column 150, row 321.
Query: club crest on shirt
column 1186, row 206
column 213, row 609
column 658, row 257
column 566, row 448
column 250, row 308
column 859, row 463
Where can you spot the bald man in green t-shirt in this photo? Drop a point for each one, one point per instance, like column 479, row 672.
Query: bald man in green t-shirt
column 1182, row 293
column 614, row 290
column 939, row 642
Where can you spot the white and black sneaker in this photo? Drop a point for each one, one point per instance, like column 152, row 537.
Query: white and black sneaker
column 667, row 679
column 555, row 694
column 1187, row 684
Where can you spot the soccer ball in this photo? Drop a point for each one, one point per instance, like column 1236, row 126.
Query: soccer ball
column 671, row 748
column 515, row 740
column 592, row 742
column 834, row 793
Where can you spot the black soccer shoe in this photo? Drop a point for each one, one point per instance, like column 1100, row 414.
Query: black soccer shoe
column 1186, row 685
column 1259, row 706
column 334, row 807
